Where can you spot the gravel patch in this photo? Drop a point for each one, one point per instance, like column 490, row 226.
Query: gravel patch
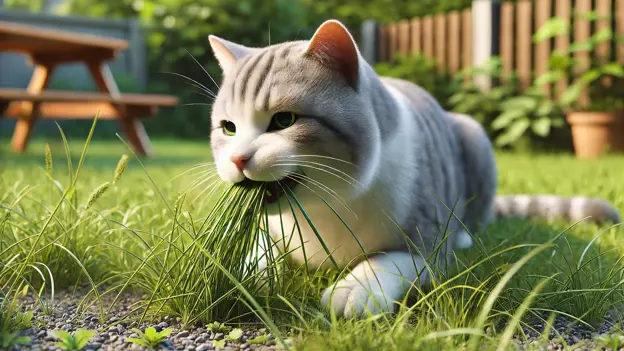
column 113, row 334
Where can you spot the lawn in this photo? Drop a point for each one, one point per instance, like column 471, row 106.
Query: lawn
column 127, row 231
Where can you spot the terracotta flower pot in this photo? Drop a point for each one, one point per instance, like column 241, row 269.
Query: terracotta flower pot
column 594, row 133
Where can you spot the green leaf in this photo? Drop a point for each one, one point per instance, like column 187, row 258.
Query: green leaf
column 138, row 342
column 505, row 119
column 525, row 103
column 614, row 69
column 21, row 340
column 571, row 94
column 549, row 78
column 587, row 45
column 82, row 337
column 219, row 343
column 261, row 339
column 150, row 333
column 554, row 27
column 165, row 333
column 541, row 127
column 514, row 132
column 559, row 61
column 546, row 108
column 235, row 334
column 603, row 35
column 589, row 76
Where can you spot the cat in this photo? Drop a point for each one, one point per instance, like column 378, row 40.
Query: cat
column 313, row 118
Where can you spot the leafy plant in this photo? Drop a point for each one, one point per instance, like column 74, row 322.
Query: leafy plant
column 611, row 341
column 423, row 71
column 483, row 105
column 235, row 334
column 601, row 77
column 75, row 342
column 218, row 327
column 532, row 111
column 259, row 340
column 8, row 339
column 151, row 338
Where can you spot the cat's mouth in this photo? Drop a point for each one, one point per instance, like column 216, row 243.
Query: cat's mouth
column 275, row 190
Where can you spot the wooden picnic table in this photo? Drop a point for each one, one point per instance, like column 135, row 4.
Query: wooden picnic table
column 47, row 49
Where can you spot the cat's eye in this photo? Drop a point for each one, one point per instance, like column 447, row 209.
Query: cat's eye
column 229, row 128
column 282, row 120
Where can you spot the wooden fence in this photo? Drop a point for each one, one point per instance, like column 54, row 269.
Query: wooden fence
column 456, row 43
column 445, row 37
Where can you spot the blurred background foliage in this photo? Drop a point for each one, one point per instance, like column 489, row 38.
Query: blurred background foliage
column 176, row 39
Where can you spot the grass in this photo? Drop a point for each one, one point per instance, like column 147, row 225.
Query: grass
column 146, row 231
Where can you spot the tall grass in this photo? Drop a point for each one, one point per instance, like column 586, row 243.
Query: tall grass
column 182, row 248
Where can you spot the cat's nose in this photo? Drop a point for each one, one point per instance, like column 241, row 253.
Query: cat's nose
column 239, row 161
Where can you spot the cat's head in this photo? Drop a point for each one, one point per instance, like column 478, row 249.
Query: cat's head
column 294, row 111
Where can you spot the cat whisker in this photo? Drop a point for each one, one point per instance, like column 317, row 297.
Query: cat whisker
column 326, row 166
column 319, row 156
column 212, row 188
column 299, row 164
column 199, row 85
column 197, row 104
column 203, row 69
column 323, row 187
column 202, row 92
column 201, row 181
column 201, row 165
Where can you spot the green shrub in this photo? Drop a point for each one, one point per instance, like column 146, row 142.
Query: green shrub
column 423, row 71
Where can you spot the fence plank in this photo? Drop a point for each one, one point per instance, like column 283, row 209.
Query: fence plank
column 393, row 38
column 453, row 42
column 404, row 37
column 619, row 28
column 507, row 36
column 428, row 36
column 562, row 42
column 440, row 41
column 383, row 43
column 523, row 33
column 416, row 28
column 582, row 33
column 603, row 50
column 466, row 46
column 543, row 12
column 603, row 9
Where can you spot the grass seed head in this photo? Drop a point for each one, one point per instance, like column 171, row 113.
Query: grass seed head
column 48, row 159
column 96, row 194
column 121, row 168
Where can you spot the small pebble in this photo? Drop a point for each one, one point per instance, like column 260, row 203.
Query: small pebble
column 182, row 334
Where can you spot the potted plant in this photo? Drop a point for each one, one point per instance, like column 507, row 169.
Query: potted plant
column 593, row 102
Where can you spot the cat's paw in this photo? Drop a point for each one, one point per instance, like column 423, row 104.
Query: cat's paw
column 349, row 298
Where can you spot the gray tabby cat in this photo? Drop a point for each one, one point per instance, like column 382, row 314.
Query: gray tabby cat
column 381, row 152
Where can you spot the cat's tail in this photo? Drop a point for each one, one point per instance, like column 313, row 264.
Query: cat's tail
column 556, row 207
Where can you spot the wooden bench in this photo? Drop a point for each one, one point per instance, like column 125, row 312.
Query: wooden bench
column 47, row 49
column 83, row 105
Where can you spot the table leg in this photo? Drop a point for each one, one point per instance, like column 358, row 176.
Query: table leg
column 131, row 125
column 28, row 114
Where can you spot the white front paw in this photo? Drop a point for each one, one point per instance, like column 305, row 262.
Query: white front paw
column 349, row 298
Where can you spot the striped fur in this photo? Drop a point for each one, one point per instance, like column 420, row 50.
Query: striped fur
column 371, row 146
column 552, row 207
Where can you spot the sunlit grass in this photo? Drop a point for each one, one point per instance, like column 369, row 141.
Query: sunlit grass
column 147, row 232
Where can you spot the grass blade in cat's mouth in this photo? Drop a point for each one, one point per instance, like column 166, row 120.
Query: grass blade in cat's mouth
column 274, row 190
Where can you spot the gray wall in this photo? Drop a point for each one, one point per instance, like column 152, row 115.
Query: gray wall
column 15, row 70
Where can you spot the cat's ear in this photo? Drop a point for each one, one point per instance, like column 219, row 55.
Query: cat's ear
column 227, row 52
column 334, row 46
